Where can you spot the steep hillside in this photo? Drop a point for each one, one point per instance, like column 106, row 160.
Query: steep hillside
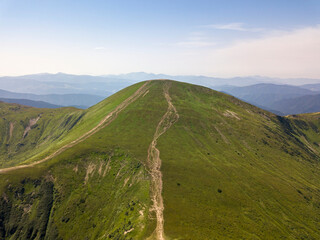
column 26, row 131
column 167, row 160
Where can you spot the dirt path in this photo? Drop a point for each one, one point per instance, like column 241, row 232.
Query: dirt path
column 11, row 130
column 103, row 123
column 154, row 164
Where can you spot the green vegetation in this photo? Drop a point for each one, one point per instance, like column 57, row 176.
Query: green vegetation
column 96, row 196
column 54, row 128
column 254, row 157
column 20, row 140
column 229, row 170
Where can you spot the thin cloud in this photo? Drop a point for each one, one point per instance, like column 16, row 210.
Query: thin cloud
column 195, row 44
column 289, row 54
column 196, row 41
column 99, row 48
column 235, row 26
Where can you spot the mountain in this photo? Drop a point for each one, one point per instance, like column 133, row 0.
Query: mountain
column 63, row 84
column 105, row 85
column 265, row 93
column 159, row 160
column 267, row 96
column 203, row 80
column 312, row 87
column 82, row 100
column 304, row 104
column 213, row 81
column 27, row 102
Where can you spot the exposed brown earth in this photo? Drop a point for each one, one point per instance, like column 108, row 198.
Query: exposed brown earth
column 154, row 164
column 11, row 130
column 32, row 122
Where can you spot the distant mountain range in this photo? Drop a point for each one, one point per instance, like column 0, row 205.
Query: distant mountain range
column 214, row 81
column 280, row 99
column 312, row 87
column 84, row 90
column 63, row 84
column 51, row 100
column 27, row 102
column 304, row 104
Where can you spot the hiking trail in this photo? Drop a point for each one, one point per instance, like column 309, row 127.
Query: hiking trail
column 154, row 164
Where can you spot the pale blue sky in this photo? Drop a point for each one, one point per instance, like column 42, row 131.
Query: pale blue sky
column 217, row 38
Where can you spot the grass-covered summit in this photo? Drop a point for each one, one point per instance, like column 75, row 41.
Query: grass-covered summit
column 159, row 160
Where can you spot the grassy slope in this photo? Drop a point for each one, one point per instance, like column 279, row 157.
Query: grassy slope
column 92, row 196
column 308, row 127
column 224, row 178
column 52, row 125
column 90, row 118
column 55, row 128
column 268, row 181
column 121, row 135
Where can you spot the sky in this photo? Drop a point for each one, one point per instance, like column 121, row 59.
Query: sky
column 226, row 38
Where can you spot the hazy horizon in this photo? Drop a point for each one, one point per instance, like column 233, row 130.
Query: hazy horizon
column 154, row 73
column 133, row 77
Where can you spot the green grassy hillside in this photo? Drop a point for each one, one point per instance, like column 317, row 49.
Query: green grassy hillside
column 171, row 161
column 25, row 131
column 50, row 129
